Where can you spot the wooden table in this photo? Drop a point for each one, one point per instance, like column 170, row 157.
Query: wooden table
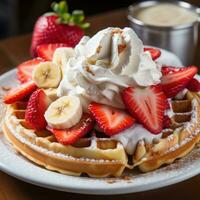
column 15, row 50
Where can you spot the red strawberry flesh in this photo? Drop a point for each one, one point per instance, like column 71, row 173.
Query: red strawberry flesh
column 194, row 85
column 46, row 51
column 147, row 105
column 110, row 120
column 176, row 80
column 24, row 70
column 169, row 69
column 155, row 53
column 19, row 93
column 72, row 135
column 168, row 105
column 37, row 105
column 166, row 122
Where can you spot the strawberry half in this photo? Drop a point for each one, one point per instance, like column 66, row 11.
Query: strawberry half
column 147, row 105
column 155, row 53
column 175, row 80
column 194, row 85
column 19, row 93
column 70, row 136
column 24, row 70
column 110, row 120
column 46, row 51
column 58, row 27
column 37, row 105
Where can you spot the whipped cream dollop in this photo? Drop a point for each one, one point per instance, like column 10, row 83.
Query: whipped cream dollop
column 130, row 137
column 105, row 64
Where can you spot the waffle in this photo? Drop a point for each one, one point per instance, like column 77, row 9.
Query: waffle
column 96, row 157
column 102, row 157
column 177, row 141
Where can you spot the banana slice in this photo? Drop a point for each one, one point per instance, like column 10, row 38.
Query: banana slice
column 64, row 113
column 51, row 93
column 62, row 55
column 47, row 75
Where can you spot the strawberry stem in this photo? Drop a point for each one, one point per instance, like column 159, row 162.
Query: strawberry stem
column 76, row 18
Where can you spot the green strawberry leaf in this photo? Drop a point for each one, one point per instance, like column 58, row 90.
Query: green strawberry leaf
column 63, row 7
column 76, row 18
column 85, row 25
column 55, row 7
column 60, row 7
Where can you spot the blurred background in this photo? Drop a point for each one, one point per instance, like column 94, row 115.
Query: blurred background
column 18, row 16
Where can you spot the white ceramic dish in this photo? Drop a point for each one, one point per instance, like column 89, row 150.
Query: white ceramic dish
column 16, row 165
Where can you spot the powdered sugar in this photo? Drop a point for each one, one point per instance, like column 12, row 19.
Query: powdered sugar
column 181, row 94
column 184, row 113
column 173, row 148
column 169, row 112
column 170, row 137
column 19, row 128
column 183, row 142
column 189, row 126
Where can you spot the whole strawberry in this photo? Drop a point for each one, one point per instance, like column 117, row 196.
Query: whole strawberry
column 58, row 27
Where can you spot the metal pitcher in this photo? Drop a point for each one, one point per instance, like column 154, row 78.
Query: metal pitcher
column 181, row 39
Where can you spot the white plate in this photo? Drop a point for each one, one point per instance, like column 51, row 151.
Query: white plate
column 16, row 165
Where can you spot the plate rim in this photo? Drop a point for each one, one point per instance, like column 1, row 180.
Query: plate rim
column 103, row 191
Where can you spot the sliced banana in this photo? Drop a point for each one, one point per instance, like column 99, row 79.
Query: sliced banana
column 51, row 93
column 64, row 113
column 62, row 55
column 47, row 75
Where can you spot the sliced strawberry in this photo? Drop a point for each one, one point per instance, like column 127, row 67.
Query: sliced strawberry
column 20, row 92
column 24, row 70
column 155, row 53
column 194, row 85
column 46, row 51
column 147, row 105
column 166, row 122
column 37, row 105
column 176, row 80
column 110, row 120
column 70, row 136
column 169, row 69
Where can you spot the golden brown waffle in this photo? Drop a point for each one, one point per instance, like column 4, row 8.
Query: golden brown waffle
column 94, row 156
column 102, row 157
column 177, row 141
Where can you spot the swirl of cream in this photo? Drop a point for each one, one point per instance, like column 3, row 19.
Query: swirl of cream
column 105, row 64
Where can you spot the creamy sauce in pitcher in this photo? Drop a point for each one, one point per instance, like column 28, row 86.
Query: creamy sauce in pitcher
column 166, row 14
